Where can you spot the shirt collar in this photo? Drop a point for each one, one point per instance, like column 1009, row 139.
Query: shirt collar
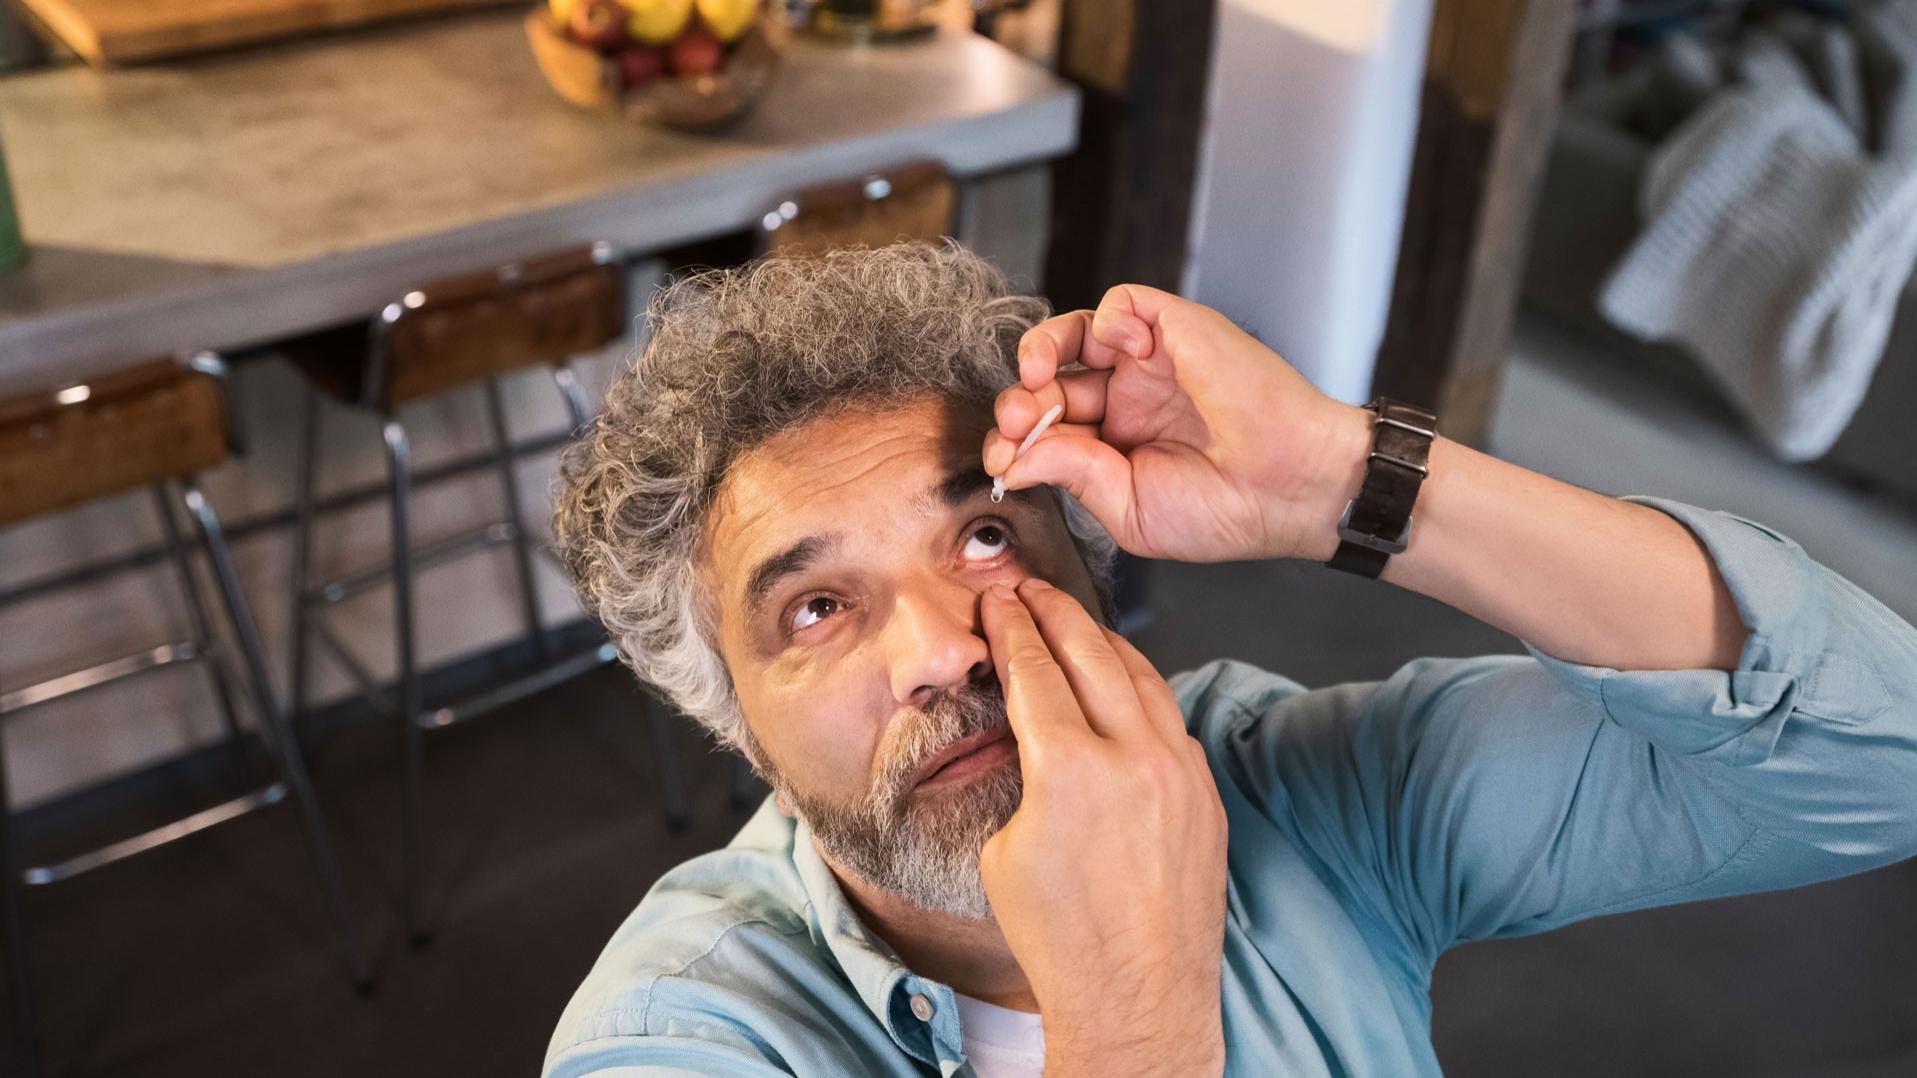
column 873, row 968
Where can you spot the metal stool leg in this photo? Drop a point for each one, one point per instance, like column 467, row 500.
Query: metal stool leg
column 278, row 735
column 577, row 406
column 416, row 870
column 203, row 640
column 522, row 545
column 18, row 961
column 304, row 484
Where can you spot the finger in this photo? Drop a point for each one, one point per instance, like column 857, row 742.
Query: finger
column 1141, row 302
column 1154, row 693
column 999, row 450
column 1091, row 469
column 1098, row 677
column 1039, row 702
column 1119, row 328
column 1061, row 340
column 1017, row 409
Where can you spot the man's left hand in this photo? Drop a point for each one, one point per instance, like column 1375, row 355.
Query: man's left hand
column 1109, row 880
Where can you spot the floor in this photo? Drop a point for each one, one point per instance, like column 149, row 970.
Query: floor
column 1812, row 982
column 210, row 958
column 221, row 964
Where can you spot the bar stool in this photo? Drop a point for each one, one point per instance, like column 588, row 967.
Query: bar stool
column 152, row 425
column 444, row 336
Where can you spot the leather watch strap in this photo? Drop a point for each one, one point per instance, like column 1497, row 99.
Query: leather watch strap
column 1377, row 523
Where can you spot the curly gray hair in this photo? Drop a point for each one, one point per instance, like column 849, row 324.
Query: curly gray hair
column 737, row 356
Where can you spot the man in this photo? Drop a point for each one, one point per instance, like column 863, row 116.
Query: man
column 1000, row 841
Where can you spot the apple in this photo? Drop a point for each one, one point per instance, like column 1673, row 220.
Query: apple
column 599, row 24
column 696, row 52
column 640, row 64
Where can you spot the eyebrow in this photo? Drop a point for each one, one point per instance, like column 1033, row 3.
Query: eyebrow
column 794, row 559
column 953, row 491
column 965, row 484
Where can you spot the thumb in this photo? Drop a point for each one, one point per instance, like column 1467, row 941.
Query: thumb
column 1095, row 473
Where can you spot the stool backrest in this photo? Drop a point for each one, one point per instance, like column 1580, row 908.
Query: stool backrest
column 448, row 333
column 161, row 419
column 908, row 202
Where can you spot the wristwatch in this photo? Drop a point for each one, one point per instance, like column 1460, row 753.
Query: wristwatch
column 1377, row 523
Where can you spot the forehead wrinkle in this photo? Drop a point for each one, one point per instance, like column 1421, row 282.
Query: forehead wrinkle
column 749, row 500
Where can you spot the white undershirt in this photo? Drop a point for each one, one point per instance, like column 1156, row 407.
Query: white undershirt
column 1001, row 1042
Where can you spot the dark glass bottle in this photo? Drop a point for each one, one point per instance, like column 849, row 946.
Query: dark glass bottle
column 13, row 247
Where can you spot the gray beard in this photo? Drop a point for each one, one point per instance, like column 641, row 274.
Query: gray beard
column 923, row 847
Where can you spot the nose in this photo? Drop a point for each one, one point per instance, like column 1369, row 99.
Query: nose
column 934, row 640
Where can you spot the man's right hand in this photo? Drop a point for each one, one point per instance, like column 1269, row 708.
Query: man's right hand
column 1109, row 880
column 1184, row 436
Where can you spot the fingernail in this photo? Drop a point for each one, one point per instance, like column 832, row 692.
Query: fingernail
column 1002, row 591
column 1037, row 583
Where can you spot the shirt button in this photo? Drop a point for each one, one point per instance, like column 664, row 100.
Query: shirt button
column 922, row 1008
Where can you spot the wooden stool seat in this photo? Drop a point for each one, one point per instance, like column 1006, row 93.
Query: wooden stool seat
column 461, row 330
column 912, row 201
column 161, row 419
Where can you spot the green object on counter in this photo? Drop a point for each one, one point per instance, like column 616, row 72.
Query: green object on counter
column 13, row 246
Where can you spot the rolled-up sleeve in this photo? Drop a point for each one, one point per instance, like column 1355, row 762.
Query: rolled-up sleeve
column 1814, row 735
column 1466, row 799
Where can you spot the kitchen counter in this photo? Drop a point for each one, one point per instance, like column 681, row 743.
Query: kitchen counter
column 239, row 198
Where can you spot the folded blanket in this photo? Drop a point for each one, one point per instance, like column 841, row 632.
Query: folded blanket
column 1887, row 42
column 1777, row 243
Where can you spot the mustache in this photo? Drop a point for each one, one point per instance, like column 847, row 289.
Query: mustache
column 976, row 708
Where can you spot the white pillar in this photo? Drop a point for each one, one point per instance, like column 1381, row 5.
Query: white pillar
column 1302, row 172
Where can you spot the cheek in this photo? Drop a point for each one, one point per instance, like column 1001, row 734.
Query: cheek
column 821, row 726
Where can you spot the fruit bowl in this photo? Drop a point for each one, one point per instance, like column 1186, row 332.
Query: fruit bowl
column 687, row 64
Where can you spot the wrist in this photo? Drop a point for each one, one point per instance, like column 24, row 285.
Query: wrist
column 1139, row 1059
column 1343, row 441
column 1137, row 1046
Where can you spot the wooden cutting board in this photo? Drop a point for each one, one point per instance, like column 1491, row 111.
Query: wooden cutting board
column 121, row 31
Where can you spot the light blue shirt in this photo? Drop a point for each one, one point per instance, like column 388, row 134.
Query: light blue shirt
column 1372, row 826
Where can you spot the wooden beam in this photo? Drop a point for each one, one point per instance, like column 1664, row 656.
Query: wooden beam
column 1121, row 203
column 1491, row 94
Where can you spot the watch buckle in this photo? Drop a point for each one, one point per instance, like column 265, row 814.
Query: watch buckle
column 1373, row 542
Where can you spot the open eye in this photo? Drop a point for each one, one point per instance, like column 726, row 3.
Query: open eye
column 813, row 611
column 988, row 541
